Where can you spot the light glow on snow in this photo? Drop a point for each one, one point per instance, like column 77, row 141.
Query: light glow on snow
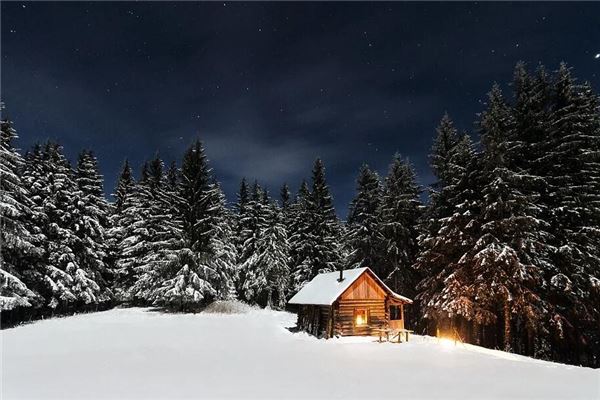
column 447, row 343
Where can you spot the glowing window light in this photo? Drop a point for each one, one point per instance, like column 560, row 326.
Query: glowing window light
column 360, row 317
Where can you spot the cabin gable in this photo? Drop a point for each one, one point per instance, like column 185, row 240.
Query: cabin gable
column 364, row 288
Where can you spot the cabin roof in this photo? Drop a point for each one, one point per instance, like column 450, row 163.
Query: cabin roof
column 325, row 288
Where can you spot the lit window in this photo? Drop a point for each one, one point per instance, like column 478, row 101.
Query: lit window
column 361, row 317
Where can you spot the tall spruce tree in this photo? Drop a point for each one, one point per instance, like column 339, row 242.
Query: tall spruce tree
column 223, row 264
column 572, row 173
column 286, row 196
column 127, row 232
column 444, row 297
column 298, row 217
column 319, row 226
column 398, row 216
column 164, row 239
column 254, row 222
column 91, row 223
column 65, row 283
column 198, row 196
column 432, row 258
column 19, row 245
column 125, row 185
column 267, row 278
column 362, row 223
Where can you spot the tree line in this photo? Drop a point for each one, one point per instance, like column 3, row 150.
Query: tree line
column 505, row 252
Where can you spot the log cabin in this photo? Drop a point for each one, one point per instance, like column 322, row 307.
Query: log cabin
column 353, row 302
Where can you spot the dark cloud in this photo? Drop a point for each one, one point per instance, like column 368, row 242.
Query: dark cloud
column 270, row 86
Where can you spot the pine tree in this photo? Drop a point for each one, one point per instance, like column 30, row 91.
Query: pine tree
column 398, row 215
column 164, row 236
column 65, row 283
column 269, row 272
column 124, row 187
column 444, row 293
column 128, row 233
column 298, row 223
column 447, row 138
column 186, row 288
column 511, row 255
column 223, row 261
column 90, row 225
column 319, row 247
column 254, row 222
column 198, row 198
column 572, row 172
column 285, row 196
column 19, row 246
column 432, row 259
column 362, row 223
column 440, row 159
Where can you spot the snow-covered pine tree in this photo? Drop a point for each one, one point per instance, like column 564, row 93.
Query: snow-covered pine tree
column 186, row 288
column 447, row 137
column 286, row 196
column 90, row 223
column 298, row 223
column 362, row 223
column 222, row 267
column 125, row 185
column 66, row 285
column 198, row 196
column 321, row 249
column 438, row 208
column 164, row 238
column 270, row 275
column 127, row 234
column 511, row 256
column 572, row 171
column 240, row 230
column 398, row 218
column 19, row 246
column 254, row 222
column 432, row 260
column 202, row 216
column 445, row 295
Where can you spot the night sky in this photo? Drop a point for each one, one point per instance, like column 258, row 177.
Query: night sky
column 269, row 87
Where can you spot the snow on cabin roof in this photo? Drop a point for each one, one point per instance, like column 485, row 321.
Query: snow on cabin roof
column 325, row 288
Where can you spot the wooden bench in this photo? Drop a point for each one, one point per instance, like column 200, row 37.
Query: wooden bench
column 406, row 333
column 394, row 333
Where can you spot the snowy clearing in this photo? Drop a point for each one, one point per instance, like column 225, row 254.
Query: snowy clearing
column 136, row 353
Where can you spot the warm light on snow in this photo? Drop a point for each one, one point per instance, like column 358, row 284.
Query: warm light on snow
column 447, row 342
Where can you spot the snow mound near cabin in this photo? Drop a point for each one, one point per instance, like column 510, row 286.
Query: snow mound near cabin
column 135, row 353
column 228, row 307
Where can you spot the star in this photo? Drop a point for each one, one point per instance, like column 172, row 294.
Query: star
column 597, row 56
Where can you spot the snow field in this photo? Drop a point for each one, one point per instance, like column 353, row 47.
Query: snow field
column 141, row 354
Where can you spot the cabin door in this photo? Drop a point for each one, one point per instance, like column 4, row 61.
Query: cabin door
column 396, row 316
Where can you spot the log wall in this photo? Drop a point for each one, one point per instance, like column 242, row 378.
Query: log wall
column 344, row 323
column 315, row 320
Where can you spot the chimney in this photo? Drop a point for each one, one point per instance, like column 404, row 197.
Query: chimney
column 341, row 278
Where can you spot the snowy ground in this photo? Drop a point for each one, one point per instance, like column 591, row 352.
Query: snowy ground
column 135, row 353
